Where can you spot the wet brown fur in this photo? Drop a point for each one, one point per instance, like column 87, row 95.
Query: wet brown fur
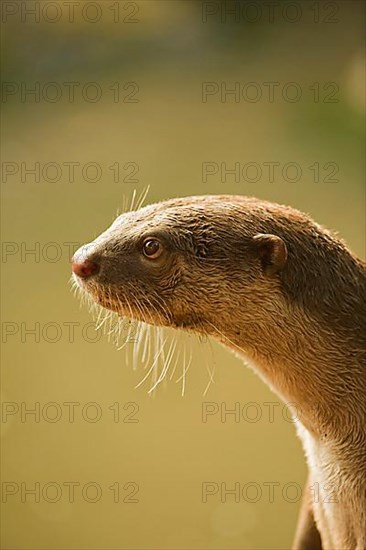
column 299, row 319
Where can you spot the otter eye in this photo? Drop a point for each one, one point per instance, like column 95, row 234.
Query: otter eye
column 152, row 249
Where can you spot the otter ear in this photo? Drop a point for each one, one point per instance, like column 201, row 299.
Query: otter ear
column 272, row 252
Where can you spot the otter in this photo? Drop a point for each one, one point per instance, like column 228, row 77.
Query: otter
column 283, row 293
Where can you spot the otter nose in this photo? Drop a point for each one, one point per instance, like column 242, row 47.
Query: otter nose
column 82, row 265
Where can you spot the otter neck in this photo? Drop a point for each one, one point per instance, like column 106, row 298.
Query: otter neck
column 304, row 365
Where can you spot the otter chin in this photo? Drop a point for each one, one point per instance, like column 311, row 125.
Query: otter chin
column 282, row 292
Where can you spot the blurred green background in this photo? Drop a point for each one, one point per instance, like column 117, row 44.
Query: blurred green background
column 161, row 139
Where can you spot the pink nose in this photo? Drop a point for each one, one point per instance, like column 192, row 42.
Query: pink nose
column 84, row 268
column 82, row 265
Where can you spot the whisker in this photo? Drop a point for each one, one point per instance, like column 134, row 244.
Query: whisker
column 165, row 369
column 185, row 370
column 151, row 368
column 132, row 200
column 142, row 197
column 154, row 348
column 124, row 201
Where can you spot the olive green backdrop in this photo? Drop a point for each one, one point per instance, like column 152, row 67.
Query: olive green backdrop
column 173, row 470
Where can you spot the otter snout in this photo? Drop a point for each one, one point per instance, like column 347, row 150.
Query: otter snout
column 84, row 263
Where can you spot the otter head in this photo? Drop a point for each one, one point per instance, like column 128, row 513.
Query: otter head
column 185, row 263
